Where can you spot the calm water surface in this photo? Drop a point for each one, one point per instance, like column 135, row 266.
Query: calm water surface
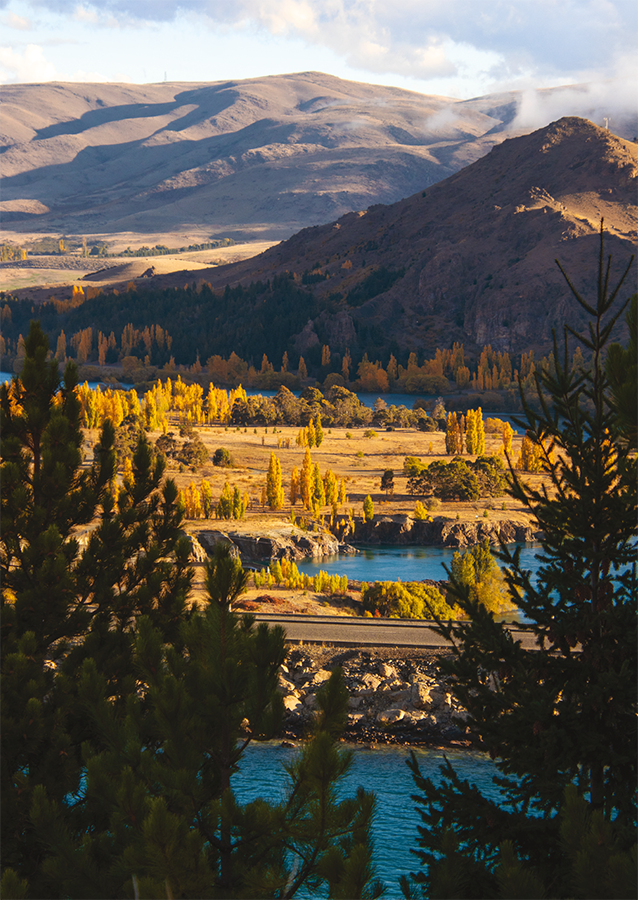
column 390, row 563
column 383, row 771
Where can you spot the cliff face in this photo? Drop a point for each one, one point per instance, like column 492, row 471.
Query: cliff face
column 292, row 543
column 439, row 532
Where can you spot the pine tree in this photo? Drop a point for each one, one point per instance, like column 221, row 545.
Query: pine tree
column 63, row 604
column 387, row 482
column 563, row 714
column 160, row 813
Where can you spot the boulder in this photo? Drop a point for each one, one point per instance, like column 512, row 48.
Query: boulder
column 292, row 704
column 371, row 681
column 390, row 716
column 210, row 539
column 420, row 695
column 387, row 671
column 197, row 553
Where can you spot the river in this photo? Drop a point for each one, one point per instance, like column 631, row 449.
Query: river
column 383, row 771
column 394, row 563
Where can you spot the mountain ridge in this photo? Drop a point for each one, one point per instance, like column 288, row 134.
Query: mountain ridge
column 475, row 252
column 261, row 157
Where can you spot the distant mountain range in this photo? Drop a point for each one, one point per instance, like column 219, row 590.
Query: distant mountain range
column 262, row 157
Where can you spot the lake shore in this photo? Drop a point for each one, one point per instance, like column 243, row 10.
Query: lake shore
column 397, row 696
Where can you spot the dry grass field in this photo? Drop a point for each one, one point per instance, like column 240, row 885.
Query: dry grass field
column 358, row 459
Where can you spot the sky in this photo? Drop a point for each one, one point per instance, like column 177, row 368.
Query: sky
column 455, row 48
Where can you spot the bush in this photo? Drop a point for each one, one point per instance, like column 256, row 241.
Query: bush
column 223, row 458
column 370, row 433
column 409, row 600
column 477, row 571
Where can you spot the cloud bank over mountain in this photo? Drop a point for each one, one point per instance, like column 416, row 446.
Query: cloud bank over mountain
column 446, row 48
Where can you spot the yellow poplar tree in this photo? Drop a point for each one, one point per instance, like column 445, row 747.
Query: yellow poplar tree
column 274, row 490
column 330, row 485
column 312, row 436
column 294, row 486
column 318, row 491
column 480, row 432
column 207, row 498
column 471, row 436
column 508, row 434
column 305, row 484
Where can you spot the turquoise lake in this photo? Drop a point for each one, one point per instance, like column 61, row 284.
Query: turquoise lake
column 383, row 771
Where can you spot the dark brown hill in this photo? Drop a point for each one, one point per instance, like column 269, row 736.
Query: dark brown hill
column 472, row 257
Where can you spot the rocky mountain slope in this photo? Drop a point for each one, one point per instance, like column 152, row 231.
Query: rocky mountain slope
column 261, row 157
column 470, row 258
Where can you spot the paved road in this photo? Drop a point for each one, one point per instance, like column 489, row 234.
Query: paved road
column 367, row 632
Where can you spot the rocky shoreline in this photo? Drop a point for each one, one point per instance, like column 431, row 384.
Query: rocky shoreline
column 396, row 697
column 293, row 543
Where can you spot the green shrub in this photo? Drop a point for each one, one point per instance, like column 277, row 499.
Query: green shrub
column 222, row 457
column 409, row 600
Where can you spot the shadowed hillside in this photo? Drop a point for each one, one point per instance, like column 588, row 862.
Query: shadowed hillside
column 472, row 257
column 262, row 157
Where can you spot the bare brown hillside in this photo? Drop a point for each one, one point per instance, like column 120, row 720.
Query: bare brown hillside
column 473, row 256
column 259, row 158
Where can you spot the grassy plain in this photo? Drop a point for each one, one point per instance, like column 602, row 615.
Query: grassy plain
column 359, row 460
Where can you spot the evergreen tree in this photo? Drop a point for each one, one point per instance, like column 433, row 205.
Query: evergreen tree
column 63, row 603
column 621, row 367
column 125, row 715
column 318, row 431
column 387, row 482
column 564, row 714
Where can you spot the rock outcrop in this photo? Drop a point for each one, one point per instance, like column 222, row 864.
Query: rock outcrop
column 391, row 700
column 438, row 531
column 282, row 543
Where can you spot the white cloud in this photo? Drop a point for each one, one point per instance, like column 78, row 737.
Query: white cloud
column 32, row 66
column 417, row 37
column 460, row 48
column 19, row 23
